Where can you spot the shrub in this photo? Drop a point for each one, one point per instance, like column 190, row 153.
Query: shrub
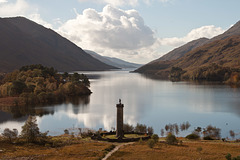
column 171, row 139
column 208, row 138
column 66, row 131
column 193, row 136
column 10, row 134
column 199, row 149
column 228, row 156
column 155, row 138
column 151, row 143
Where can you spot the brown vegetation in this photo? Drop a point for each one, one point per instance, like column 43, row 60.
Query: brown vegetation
column 77, row 149
column 195, row 60
column 68, row 147
column 187, row 151
column 36, row 84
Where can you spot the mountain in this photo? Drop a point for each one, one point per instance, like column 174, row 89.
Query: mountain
column 113, row 61
column 24, row 42
column 180, row 51
column 223, row 50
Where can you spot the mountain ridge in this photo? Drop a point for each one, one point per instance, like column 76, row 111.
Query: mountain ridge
column 212, row 51
column 24, row 42
column 116, row 62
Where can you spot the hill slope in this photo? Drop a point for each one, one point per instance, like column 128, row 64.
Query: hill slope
column 23, row 42
column 180, row 51
column 113, row 61
column 223, row 50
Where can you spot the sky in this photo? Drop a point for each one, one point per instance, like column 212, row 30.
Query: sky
column 134, row 30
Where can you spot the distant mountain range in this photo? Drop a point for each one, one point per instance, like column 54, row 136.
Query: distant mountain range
column 24, row 42
column 223, row 50
column 113, row 61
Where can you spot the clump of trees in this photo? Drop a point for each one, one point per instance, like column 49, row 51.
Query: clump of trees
column 36, row 84
column 176, row 73
column 139, row 128
column 209, row 133
column 212, row 72
column 30, row 132
column 10, row 134
column 175, row 128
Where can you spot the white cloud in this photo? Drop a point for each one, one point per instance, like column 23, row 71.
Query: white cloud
column 7, row 9
column 3, row 1
column 123, row 2
column 204, row 31
column 123, row 34
column 21, row 8
column 112, row 30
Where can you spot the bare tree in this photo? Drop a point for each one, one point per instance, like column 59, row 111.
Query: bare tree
column 162, row 132
column 232, row 134
column 10, row 134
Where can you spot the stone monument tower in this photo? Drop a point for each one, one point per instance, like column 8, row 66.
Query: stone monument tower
column 119, row 132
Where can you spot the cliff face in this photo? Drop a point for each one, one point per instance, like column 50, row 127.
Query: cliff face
column 23, row 42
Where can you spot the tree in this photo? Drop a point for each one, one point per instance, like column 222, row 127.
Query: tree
column 232, row 134
column 151, row 143
column 198, row 130
column 17, row 87
column 30, row 130
column 141, row 128
column 162, row 132
column 166, row 127
column 176, row 128
column 187, row 125
column 171, row 139
column 212, row 132
column 10, row 134
column 150, row 130
column 155, row 138
column 75, row 77
column 128, row 128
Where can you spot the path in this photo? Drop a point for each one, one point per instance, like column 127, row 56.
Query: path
column 116, row 149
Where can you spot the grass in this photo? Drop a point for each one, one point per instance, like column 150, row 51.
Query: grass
column 75, row 148
column 188, row 151
column 78, row 149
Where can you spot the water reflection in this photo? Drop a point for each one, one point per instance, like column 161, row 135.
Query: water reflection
column 148, row 101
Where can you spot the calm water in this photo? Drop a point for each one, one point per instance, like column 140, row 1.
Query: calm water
column 147, row 101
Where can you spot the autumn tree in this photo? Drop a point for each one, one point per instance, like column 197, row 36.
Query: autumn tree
column 10, row 134
column 30, row 130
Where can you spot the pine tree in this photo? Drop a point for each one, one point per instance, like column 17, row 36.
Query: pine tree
column 30, row 130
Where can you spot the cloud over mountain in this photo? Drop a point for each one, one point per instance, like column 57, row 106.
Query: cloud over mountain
column 113, row 28
column 204, row 31
column 8, row 9
column 21, row 8
column 111, row 32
